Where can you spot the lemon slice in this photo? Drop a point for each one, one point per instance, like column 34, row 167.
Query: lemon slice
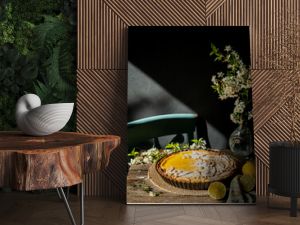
column 217, row 190
column 249, row 168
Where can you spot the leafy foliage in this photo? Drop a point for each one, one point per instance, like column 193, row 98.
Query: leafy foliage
column 53, row 42
column 56, row 66
column 38, row 48
column 15, row 31
column 17, row 73
column 152, row 155
column 146, row 157
column 70, row 11
column 176, row 147
column 33, row 10
column 234, row 83
column 198, row 144
column 7, row 119
column 133, row 153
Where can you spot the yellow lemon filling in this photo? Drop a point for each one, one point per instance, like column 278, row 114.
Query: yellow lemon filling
column 198, row 165
column 179, row 162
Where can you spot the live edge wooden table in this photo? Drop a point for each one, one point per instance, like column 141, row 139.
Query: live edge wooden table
column 55, row 161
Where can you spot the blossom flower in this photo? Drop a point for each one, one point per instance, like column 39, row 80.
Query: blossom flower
column 228, row 48
column 146, row 160
column 239, row 106
column 214, row 79
column 235, row 118
column 229, row 92
column 250, row 115
column 220, row 74
column 198, row 144
column 153, row 154
column 234, row 83
column 236, row 56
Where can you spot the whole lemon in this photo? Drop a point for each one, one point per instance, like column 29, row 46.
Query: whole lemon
column 247, row 182
column 249, row 168
column 217, row 190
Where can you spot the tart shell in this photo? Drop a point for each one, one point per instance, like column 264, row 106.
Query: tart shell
column 185, row 183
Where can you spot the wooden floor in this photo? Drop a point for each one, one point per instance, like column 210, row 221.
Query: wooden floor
column 46, row 209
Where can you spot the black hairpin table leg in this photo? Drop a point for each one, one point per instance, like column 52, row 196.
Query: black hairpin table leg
column 62, row 195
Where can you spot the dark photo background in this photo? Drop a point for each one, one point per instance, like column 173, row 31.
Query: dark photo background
column 170, row 71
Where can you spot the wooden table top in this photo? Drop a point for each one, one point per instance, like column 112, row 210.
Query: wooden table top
column 57, row 160
column 17, row 141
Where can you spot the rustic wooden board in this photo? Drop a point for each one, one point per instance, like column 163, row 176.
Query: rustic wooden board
column 137, row 180
column 57, row 160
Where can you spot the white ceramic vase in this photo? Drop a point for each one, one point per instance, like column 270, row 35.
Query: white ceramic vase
column 40, row 120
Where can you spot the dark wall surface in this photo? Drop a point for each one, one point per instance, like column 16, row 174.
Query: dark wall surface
column 170, row 71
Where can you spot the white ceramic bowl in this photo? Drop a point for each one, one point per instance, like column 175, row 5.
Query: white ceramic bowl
column 40, row 120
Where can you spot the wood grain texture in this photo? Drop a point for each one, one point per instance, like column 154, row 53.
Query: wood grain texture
column 104, row 34
column 102, row 50
column 267, row 103
column 56, row 160
column 159, row 13
column 104, row 94
column 263, row 18
column 212, row 5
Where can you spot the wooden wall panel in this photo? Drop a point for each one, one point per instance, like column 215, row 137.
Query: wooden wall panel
column 267, row 103
column 160, row 12
column 102, row 109
column 102, row 70
column 212, row 5
column 277, row 128
column 102, row 37
column 263, row 17
column 262, row 177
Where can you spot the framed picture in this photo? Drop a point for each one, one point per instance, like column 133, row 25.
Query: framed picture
column 190, row 131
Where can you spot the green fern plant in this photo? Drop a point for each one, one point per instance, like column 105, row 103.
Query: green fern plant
column 7, row 112
column 53, row 43
column 17, row 73
column 37, row 53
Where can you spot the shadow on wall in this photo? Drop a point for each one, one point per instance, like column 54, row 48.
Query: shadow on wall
column 169, row 71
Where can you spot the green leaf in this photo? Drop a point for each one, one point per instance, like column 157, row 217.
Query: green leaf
column 14, row 89
column 174, row 146
column 42, row 90
column 55, row 72
column 13, row 55
column 47, row 34
column 58, row 64
column 8, row 73
column 30, row 72
column 133, row 153
column 213, row 48
column 7, row 82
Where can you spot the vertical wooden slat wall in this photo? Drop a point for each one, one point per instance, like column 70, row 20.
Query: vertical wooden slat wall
column 102, row 70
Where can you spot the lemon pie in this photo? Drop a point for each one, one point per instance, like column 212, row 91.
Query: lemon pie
column 196, row 169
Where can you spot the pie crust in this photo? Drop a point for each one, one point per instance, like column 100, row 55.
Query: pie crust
column 196, row 169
